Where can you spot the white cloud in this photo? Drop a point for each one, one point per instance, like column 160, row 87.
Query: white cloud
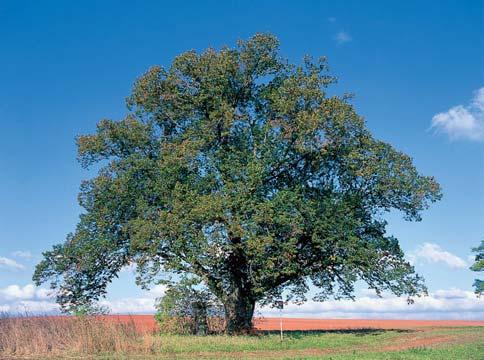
column 443, row 304
column 22, row 254
column 10, row 264
column 27, row 299
column 157, row 291
column 141, row 305
column 463, row 122
column 15, row 292
column 44, row 294
column 343, row 37
column 433, row 253
column 27, row 292
column 471, row 259
column 31, row 299
column 370, row 293
column 478, row 101
column 33, row 307
column 131, row 268
column 453, row 293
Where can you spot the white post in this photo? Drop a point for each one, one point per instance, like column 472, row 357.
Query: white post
column 280, row 305
column 280, row 318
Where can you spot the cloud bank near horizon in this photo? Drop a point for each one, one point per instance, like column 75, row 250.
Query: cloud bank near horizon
column 442, row 304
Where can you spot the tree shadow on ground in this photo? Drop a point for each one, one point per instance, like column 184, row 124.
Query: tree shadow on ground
column 297, row 334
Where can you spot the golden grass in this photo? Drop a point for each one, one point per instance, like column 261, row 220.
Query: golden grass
column 50, row 336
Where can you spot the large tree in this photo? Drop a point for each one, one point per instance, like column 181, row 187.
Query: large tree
column 237, row 167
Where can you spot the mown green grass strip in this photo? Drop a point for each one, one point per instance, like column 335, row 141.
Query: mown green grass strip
column 299, row 340
column 294, row 341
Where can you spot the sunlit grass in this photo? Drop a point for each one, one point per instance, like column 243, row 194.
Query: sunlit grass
column 272, row 342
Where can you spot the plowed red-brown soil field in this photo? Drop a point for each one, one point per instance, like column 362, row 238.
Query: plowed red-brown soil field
column 147, row 323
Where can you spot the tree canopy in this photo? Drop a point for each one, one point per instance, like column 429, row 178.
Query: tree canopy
column 238, row 167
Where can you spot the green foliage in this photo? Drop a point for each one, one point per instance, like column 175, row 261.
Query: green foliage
column 91, row 309
column 479, row 266
column 238, row 167
column 187, row 308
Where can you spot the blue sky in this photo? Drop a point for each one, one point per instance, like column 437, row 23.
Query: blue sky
column 415, row 67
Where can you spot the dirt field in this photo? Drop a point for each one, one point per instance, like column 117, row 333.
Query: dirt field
column 341, row 324
column 147, row 323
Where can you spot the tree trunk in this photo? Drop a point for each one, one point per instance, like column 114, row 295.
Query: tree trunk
column 199, row 315
column 239, row 311
column 239, row 304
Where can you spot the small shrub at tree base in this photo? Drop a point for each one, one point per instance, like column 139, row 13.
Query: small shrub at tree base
column 185, row 309
column 90, row 310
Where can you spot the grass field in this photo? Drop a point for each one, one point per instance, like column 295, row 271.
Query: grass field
column 430, row 343
column 94, row 338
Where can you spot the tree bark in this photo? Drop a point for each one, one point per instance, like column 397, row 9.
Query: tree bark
column 239, row 304
column 239, row 311
column 199, row 314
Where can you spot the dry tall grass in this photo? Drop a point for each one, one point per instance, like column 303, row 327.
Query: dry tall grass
column 50, row 336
